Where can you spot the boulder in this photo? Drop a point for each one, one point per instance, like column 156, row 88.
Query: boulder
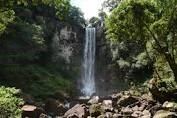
column 102, row 98
column 43, row 116
column 107, row 103
column 95, row 110
column 146, row 104
column 147, row 96
column 107, row 106
column 51, row 106
column 155, row 108
column 73, row 116
column 31, row 111
column 61, row 109
column 55, row 108
column 142, row 107
column 109, row 114
column 116, row 115
column 94, row 100
column 78, row 111
column 101, row 116
column 146, row 114
column 115, row 98
column 136, row 114
column 126, row 111
column 127, row 100
column 116, row 110
column 160, row 90
column 135, row 108
column 165, row 114
column 170, row 105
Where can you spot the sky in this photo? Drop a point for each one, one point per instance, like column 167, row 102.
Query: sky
column 89, row 7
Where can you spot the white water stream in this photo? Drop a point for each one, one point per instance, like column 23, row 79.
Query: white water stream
column 88, row 72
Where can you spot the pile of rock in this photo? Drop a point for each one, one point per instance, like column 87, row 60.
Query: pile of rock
column 122, row 106
column 50, row 109
column 119, row 105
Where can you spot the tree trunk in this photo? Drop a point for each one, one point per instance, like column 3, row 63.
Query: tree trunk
column 155, row 70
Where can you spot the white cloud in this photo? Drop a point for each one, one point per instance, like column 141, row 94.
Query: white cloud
column 89, row 7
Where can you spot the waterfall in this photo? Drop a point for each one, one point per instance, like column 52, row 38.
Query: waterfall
column 88, row 74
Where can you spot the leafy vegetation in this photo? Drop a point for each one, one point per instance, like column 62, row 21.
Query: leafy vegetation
column 26, row 31
column 42, row 82
column 10, row 103
column 151, row 26
column 141, row 35
column 76, row 15
column 110, row 4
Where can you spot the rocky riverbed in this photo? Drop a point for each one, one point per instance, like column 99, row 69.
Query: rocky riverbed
column 119, row 105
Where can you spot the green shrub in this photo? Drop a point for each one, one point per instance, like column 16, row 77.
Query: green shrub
column 9, row 103
column 42, row 81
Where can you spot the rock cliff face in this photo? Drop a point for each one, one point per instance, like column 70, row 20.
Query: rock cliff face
column 61, row 40
column 106, row 79
column 38, row 42
column 117, row 65
column 67, row 45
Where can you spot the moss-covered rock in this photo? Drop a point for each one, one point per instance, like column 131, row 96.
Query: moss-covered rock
column 95, row 110
column 163, row 90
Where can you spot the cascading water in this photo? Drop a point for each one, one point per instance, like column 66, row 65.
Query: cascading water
column 88, row 74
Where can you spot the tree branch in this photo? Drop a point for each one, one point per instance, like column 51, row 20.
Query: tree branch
column 155, row 39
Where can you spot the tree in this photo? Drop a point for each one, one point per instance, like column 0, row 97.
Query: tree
column 146, row 21
column 75, row 15
column 94, row 20
column 110, row 4
column 61, row 6
column 6, row 17
column 163, row 32
column 7, row 13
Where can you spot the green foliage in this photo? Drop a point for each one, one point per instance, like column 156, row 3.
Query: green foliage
column 163, row 90
column 42, row 81
column 48, row 82
column 93, row 21
column 32, row 34
column 142, row 60
column 11, row 3
column 102, row 15
column 110, row 4
column 26, row 32
column 9, row 103
column 138, row 89
column 76, row 16
column 166, row 85
column 7, row 14
column 6, row 17
column 61, row 6
column 127, row 20
column 147, row 22
column 26, row 43
column 26, row 40
column 123, row 64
